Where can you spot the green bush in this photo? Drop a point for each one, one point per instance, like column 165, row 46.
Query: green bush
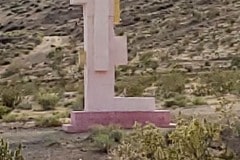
column 104, row 142
column 105, row 138
column 222, row 82
column 78, row 104
column 24, row 106
column 7, row 154
column 15, row 118
column 11, row 97
column 48, row 101
column 198, row 101
column 172, row 83
column 202, row 90
column 235, row 62
column 194, row 140
column 9, row 118
column 180, row 101
column 65, row 114
column 4, row 111
column 52, row 121
column 134, row 85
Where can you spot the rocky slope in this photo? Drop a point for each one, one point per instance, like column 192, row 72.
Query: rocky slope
column 40, row 40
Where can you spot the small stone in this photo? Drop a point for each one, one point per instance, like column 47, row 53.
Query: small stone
column 70, row 146
column 149, row 70
column 29, row 125
column 138, row 72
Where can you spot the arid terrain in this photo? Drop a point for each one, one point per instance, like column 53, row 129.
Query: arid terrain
column 185, row 53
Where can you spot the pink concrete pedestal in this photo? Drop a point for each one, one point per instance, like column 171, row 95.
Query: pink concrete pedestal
column 83, row 121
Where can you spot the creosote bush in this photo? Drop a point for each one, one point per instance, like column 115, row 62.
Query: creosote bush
column 11, row 97
column 198, row 101
column 13, row 117
column 134, row 85
column 78, row 104
column 105, row 138
column 223, row 82
column 172, row 83
column 7, row 154
column 178, row 100
column 192, row 140
column 25, row 106
column 48, row 101
column 52, row 121
column 4, row 111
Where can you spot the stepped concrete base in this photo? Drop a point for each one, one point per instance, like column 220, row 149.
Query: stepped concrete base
column 83, row 121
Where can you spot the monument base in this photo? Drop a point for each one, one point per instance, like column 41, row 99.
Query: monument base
column 83, row 121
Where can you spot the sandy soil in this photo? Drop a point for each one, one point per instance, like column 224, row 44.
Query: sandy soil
column 52, row 144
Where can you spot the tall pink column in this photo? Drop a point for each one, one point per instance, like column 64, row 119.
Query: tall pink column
column 104, row 52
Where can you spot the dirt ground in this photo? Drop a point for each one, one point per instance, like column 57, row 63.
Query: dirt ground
column 52, row 144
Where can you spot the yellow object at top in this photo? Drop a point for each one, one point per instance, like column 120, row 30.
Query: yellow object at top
column 82, row 57
column 117, row 11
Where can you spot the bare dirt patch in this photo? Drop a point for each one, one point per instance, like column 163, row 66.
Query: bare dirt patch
column 52, row 144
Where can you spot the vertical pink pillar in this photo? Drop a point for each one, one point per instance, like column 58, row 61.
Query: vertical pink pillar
column 98, row 76
column 105, row 51
column 101, row 36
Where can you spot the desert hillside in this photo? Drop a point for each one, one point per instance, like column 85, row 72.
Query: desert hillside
column 175, row 47
column 186, row 53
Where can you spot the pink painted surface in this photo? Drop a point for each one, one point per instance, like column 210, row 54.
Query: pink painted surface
column 101, row 35
column 83, row 121
column 133, row 104
column 118, row 47
column 105, row 51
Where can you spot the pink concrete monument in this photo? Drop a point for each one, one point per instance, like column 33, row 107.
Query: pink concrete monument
column 104, row 51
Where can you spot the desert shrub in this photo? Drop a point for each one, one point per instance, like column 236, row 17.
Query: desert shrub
column 15, row 118
column 52, row 121
column 78, row 104
column 25, row 106
column 222, row 82
column 172, row 82
column 198, row 101
column 147, row 61
column 103, row 142
column 192, row 140
column 81, row 88
column 202, row 90
column 134, row 85
column 227, row 116
column 28, row 88
column 180, row 101
column 235, row 62
column 105, row 138
column 146, row 56
column 48, row 101
column 11, row 97
column 4, row 111
column 71, row 87
column 9, row 118
column 7, row 154
column 56, row 56
column 65, row 114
